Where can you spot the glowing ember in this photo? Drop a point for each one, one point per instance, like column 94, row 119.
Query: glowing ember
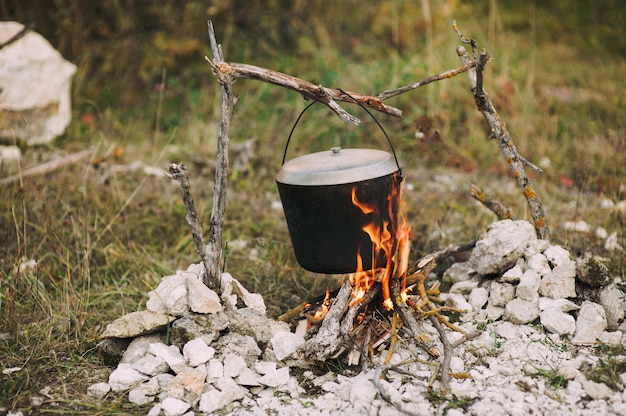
column 389, row 234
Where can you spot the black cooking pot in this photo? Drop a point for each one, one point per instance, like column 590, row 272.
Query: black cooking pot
column 325, row 226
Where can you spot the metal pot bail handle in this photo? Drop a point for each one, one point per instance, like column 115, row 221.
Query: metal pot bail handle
column 393, row 150
column 379, row 125
column 294, row 127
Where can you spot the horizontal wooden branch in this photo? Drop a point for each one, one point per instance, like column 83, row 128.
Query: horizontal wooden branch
column 309, row 91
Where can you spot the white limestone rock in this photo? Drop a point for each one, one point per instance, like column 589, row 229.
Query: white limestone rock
column 197, row 352
column 458, row 272
column 247, row 321
column 200, row 298
column 590, row 324
column 457, row 301
column 556, row 255
column 275, row 378
column 501, row 247
column 539, row 264
column 478, row 297
column 233, row 365
column 98, row 390
column 215, row 370
column 233, row 290
column 125, row 377
column 464, row 287
column 172, row 406
column 35, row 81
column 139, row 347
column 139, row 397
column 610, row 297
column 501, row 293
column 170, row 296
column 520, row 311
column 596, row 391
column 136, row 324
column 512, row 275
column 561, row 282
column 187, row 385
column 150, row 365
column 247, row 377
column 285, row 343
column 557, row 322
column 528, row 287
column 242, row 345
column 171, row 355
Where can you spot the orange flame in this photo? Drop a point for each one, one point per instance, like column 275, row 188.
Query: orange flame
column 389, row 234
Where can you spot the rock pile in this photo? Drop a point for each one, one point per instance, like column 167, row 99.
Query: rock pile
column 194, row 352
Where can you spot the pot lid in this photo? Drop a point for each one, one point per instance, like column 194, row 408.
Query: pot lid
column 337, row 166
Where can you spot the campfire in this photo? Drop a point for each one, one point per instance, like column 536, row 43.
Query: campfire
column 375, row 304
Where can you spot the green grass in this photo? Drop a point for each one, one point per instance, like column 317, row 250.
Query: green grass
column 101, row 245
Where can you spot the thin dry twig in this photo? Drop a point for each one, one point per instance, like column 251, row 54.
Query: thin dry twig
column 47, row 167
column 502, row 212
column 382, row 390
column 178, row 172
column 438, row 77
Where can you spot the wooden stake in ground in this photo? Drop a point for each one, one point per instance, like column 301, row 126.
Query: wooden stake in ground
column 218, row 212
column 499, row 131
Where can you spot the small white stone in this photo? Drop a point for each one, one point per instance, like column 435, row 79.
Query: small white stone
column 512, row 275
column 596, row 391
column 139, row 397
column 151, row 365
column 171, row 355
column 457, row 301
column 520, row 311
column 197, row 352
column 233, row 365
column 528, row 286
column 215, row 370
column 501, row 293
column 124, row 377
column 170, row 296
column 539, row 264
column 464, row 287
column 200, row 298
column 590, row 324
column 557, row 322
column 478, row 297
column 98, row 390
column 556, row 255
column 264, row 367
column 612, row 244
column 247, row 377
column 563, row 305
column 174, row 407
column 601, row 233
column 155, row 410
column 285, row 343
column 187, row 386
column 275, row 378
column 560, row 283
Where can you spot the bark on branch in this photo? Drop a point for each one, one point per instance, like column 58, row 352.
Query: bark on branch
column 309, row 91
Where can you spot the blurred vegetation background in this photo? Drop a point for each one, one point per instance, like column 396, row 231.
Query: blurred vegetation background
column 143, row 92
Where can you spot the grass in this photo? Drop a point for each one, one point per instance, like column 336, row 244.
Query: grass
column 102, row 240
